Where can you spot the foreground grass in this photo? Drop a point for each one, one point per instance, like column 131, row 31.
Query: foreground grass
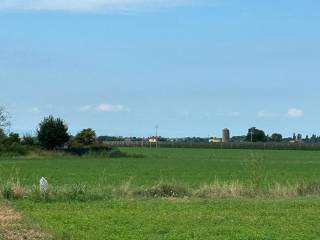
column 179, row 219
column 171, row 194
column 14, row 227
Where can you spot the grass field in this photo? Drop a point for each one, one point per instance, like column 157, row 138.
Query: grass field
column 183, row 219
column 187, row 166
column 174, row 218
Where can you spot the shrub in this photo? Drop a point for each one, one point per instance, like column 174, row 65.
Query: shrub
column 3, row 136
column 86, row 137
column 28, row 140
column 165, row 190
column 13, row 150
column 52, row 133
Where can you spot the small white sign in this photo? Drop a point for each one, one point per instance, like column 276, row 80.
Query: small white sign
column 43, row 185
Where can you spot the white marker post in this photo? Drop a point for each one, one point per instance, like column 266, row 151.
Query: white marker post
column 43, row 185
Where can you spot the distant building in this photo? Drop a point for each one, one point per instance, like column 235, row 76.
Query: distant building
column 225, row 135
column 215, row 140
column 153, row 140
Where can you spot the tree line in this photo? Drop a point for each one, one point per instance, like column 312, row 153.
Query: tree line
column 52, row 133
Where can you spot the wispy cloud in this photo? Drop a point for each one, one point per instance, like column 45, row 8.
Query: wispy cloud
column 103, row 107
column 106, row 107
column 92, row 5
column 295, row 113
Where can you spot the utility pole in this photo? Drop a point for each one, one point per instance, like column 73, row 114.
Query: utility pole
column 157, row 127
column 251, row 132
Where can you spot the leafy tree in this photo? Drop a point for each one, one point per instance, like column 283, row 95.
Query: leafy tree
column 86, row 136
column 4, row 118
column 256, row 135
column 299, row 137
column 276, row 137
column 28, row 140
column 52, row 133
column 313, row 138
column 12, row 138
column 294, row 137
column 3, row 136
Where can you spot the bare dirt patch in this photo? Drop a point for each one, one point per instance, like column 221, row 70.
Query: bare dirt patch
column 13, row 227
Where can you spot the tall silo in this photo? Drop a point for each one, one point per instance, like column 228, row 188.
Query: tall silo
column 225, row 135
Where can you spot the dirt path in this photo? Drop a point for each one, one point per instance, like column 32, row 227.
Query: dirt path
column 12, row 226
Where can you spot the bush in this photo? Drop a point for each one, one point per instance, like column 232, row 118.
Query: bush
column 86, row 137
column 166, row 190
column 3, row 136
column 53, row 133
column 28, row 140
column 13, row 138
column 83, row 150
column 13, row 150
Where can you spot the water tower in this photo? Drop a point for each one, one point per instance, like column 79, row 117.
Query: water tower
column 225, row 135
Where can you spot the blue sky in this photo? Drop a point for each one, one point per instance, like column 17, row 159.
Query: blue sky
column 193, row 67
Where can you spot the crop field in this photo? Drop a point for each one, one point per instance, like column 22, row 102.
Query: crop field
column 212, row 199
column 192, row 167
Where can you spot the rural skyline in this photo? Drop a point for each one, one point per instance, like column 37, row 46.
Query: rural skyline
column 159, row 119
column 193, row 67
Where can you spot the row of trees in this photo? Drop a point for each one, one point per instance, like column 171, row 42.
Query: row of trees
column 257, row 135
column 51, row 133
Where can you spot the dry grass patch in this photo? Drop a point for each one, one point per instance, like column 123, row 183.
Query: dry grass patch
column 13, row 227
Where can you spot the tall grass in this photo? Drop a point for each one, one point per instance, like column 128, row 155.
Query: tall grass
column 80, row 192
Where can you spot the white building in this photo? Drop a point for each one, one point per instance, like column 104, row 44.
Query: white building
column 215, row 140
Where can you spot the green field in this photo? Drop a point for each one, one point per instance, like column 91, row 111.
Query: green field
column 174, row 218
column 187, row 166
column 168, row 219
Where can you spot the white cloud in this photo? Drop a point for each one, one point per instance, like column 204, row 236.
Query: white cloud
column 265, row 114
column 106, row 107
column 90, row 5
column 295, row 113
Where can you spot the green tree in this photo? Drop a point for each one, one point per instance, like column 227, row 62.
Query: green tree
column 4, row 118
column 294, row 137
column 256, row 135
column 276, row 137
column 12, row 138
column 52, row 133
column 299, row 137
column 3, row 136
column 28, row 139
column 86, row 136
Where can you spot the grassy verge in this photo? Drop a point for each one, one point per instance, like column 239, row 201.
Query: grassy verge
column 82, row 192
